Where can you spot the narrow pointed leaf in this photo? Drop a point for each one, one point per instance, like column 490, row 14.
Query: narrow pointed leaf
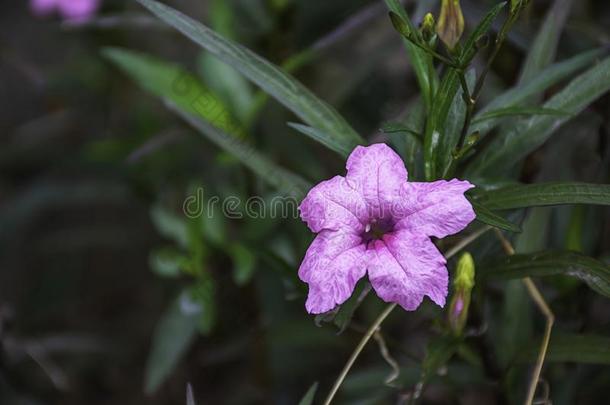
column 594, row 273
column 169, row 81
column 530, row 133
column 542, row 52
column 489, row 217
column 587, row 349
column 339, row 146
column 470, row 46
column 517, row 111
column 271, row 78
column 536, row 195
column 520, row 94
column 309, row 395
column 289, row 183
column 420, row 60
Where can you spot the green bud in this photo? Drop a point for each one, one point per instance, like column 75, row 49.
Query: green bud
column 450, row 25
column 428, row 27
column 399, row 24
column 463, row 282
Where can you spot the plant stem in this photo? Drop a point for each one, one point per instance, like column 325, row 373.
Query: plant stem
column 379, row 320
column 542, row 305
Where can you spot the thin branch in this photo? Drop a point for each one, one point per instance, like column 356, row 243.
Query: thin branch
column 542, row 305
column 385, row 353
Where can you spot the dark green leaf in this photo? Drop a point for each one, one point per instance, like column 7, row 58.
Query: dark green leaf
column 488, row 217
column 173, row 335
column 269, row 77
column 420, row 60
column 593, row 272
column 309, row 395
column 528, row 134
column 516, row 111
column 588, row 349
column 287, row 182
column 537, row 85
column 542, row 52
column 536, row 195
column 340, row 146
column 470, row 46
column 170, row 82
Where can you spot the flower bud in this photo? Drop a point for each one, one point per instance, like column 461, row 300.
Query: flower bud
column 428, row 27
column 450, row 23
column 463, row 282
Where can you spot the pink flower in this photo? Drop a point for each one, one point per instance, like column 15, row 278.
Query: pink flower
column 374, row 221
column 75, row 11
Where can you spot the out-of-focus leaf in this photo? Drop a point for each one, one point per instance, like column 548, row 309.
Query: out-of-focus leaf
column 338, row 145
column 309, row 395
column 489, row 217
column 536, row 85
column 167, row 262
column 244, row 263
column 544, row 194
column 563, row 348
column 438, row 352
column 173, row 335
column 289, row 183
column 420, row 60
column 547, row 263
column 528, row 134
column 190, row 397
column 170, row 225
column 203, row 294
column 396, row 127
column 516, row 111
column 342, row 316
column 170, row 82
column 542, row 52
column 269, row 77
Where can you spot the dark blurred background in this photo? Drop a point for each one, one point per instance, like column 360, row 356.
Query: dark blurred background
column 93, row 171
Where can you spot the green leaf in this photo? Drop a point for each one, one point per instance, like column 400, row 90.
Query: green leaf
column 516, row 111
column 309, row 395
column 438, row 352
column 342, row 315
column 548, row 263
column 544, row 194
column 244, row 263
column 173, row 335
column 272, row 79
column 488, row 217
column 203, row 293
column 542, row 52
column 289, row 183
column 397, row 127
column 420, row 60
column 342, row 147
column 587, row 349
column 529, row 134
column 533, row 87
column 453, row 128
column 436, row 121
column 167, row 262
column 471, row 45
column 169, row 81
column 170, row 225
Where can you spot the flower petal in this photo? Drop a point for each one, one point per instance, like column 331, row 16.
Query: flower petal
column 333, row 264
column 334, row 205
column 434, row 209
column 404, row 267
column 378, row 173
column 78, row 11
column 43, row 8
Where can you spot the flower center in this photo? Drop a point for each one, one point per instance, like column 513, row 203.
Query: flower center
column 376, row 228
